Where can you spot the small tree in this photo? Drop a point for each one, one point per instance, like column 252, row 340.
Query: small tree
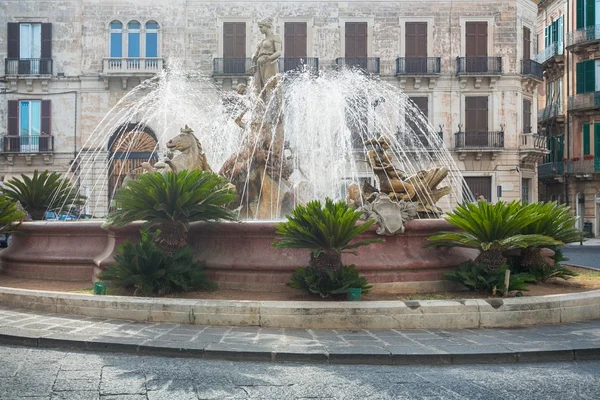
column 47, row 191
column 9, row 213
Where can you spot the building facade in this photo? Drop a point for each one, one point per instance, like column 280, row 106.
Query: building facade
column 571, row 117
column 469, row 66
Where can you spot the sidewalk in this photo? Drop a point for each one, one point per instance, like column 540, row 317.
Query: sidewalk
column 576, row 341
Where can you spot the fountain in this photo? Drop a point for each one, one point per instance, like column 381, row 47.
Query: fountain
column 281, row 140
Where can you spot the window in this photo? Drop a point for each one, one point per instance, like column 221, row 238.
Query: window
column 525, row 185
column 553, row 33
column 586, row 13
column 415, row 37
column 29, row 125
column 414, row 121
column 234, row 47
column 356, row 44
column 526, row 116
column 476, row 121
column 29, row 48
column 480, row 186
column 116, row 39
column 295, row 41
column 133, row 39
column 585, row 76
column 151, row 39
column 133, row 42
column 586, row 138
column 476, row 50
column 554, row 93
column 526, row 43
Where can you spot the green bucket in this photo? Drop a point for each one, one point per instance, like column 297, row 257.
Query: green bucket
column 354, row 294
column 100, row 288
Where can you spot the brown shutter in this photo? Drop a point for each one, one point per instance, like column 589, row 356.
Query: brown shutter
column 476, row 39
column 295, row 39
column 416, row 39
column 526, row 44
column 13, row 117
column 423, row 104
column 480, row 186
column 476, row 121
column 13, row 40
column 46, row 128
column 46, row 40
column 234, row 40
column 356, row 40
column 526, row 116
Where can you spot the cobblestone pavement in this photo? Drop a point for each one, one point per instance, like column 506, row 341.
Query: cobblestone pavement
column 72, row 375
column 577, row 341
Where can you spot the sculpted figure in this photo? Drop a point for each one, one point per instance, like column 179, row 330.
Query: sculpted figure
column 391, row 179
column 265, row 57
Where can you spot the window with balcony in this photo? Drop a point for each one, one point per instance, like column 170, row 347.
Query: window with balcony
column 356, row 48
column 585, row 13
column 553, row 33
column 586, row 139
column 234, row 61
column 133, row 48
column 29, row 127
column 585, row 76
column 29, row 49
column 526, row 115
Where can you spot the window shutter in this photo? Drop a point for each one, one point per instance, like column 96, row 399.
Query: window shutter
column 590, row 76
column 560, row 147
column 560, row 30
column 46, row 120
column 597, row 140
column 580, row 22
column 526, row 116
column 526, row 44
column 554, row 32
column 13, row 40
column 13, row 117
column 590, row 13
column 579, row 78
column 46, row 40
column 586, row 139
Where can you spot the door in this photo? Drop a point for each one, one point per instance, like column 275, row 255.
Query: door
column 234, row 47
column 526, row 44
column 476, row 50
column 476, row 121
column 294, row 45
column 416, row 47
column 356, row 44
column 525, row 185
column 480, row 186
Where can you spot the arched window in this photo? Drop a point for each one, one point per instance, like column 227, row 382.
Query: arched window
column 116, row 39
column 133, row 39
column 151, row 39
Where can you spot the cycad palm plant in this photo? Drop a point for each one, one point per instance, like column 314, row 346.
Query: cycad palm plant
column 171, row 202
column 47, row 191
column 493, row 229
column 325, row 230
column 9, row 213
column 557, row 221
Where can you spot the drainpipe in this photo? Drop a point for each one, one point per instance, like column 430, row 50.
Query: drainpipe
column 568, row 122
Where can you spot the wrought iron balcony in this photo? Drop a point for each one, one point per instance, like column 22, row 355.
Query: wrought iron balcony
column 124, row 66
column 584, row 101
column 582, row 37
column 551, row 169
column 368, row 64
column 479, row 65
column 417, row 65
column 585, row 165
column 479, row 140
column 549, row 112
column 531, row 141
column 28, row 66
column 232, row 66
column 554, row 50
column 533, row 69
column 287, row 64
column 27, row 144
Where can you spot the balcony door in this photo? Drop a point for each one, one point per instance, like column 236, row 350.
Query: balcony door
column 526, row 44
column 29, row 48
column 415, row 53
column 294, row 45
column 234, row 47
column 476, row 50
column 29, row 126
column 356, row 44
column 476, row 121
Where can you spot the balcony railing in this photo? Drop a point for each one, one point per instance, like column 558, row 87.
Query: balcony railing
column 417, row 65
column 27, row 144
column 555, row 49
column 549, row 112
column 584, row 101
column 132, row 65
column 479, row 140
column 530, row 141
column 232, row 66
column 532, row 68
column 583, row 166
column 368, row 64
column 310, row 64
column 28, row 66
column 479, row 65
column 587, row 34
column 551, row 169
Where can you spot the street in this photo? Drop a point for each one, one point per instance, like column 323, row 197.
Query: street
column 586, row 256
column 63, row 374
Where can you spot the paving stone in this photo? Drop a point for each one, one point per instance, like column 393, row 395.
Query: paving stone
column 74, row 385
column 86, row 395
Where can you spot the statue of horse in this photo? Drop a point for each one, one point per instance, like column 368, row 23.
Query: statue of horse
column 191, row 156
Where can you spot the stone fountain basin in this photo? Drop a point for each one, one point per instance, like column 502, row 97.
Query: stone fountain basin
column 238, row 255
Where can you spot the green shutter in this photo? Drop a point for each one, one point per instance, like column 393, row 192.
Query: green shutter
column 597, row 140
column 579, row 78
column 586, row 138
column 580, row 14
column 555, row 32
column 590, row 76
column 550, row 141
column 561, row 147
column 590, row 13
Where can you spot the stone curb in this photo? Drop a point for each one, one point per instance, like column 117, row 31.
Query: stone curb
column 325, row 357
column 423, row 314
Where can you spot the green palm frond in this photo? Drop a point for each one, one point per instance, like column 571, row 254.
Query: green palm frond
column 323, row 228
column 557, row 222
column 42, row 192
column 174, row 198
column 9, row 213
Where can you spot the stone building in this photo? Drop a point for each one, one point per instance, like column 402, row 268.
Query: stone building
column 570, row 58
column 467, row 65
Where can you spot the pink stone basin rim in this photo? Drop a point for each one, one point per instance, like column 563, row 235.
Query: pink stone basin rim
column 237, row 254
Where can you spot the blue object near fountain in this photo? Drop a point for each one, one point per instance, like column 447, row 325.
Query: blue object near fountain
column 354, row 294
column 100, row 288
